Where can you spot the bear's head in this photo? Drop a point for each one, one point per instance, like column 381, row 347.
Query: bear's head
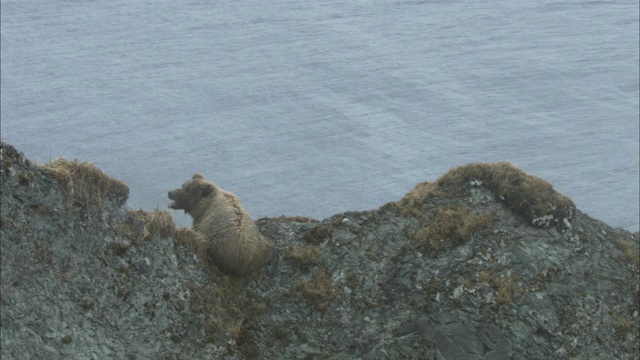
column 191, row 193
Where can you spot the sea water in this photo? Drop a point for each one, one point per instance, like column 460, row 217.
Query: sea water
column 318, row 107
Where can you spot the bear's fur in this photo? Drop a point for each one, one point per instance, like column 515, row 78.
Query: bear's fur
column 233, row 242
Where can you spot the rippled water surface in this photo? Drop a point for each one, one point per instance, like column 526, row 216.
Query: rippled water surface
column 318, row 107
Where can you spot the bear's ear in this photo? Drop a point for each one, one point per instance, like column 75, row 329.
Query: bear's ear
column 207, row 188
column 197, row 176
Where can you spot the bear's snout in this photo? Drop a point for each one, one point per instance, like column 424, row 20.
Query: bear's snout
column 174, row 203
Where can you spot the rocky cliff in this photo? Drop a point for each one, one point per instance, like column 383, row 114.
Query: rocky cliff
column 487, row 262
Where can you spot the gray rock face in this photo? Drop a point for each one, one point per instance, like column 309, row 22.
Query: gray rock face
column 107, row 282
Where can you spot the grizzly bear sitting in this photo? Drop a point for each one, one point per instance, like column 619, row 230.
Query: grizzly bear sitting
column 232, row 240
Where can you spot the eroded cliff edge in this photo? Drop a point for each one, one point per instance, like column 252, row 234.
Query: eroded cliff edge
column 485, row 263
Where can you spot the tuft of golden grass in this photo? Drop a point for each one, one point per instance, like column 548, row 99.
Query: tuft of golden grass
column 318, row 234
column 85, row 184
column 629, row 254
column 227, row 307
column 305, row 257
column 159, row 223
column 410, row 204
column 506, row 290
column 528, row 195
column 455, row 224
column 156, row 223
column 507, row 287
column 622, row 326
column 318, row 291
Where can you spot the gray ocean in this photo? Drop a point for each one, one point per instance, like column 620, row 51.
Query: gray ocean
column 318, row 107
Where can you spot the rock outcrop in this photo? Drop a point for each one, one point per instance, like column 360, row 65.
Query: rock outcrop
column 487, row 262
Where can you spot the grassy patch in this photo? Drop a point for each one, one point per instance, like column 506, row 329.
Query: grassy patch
column 119, row 248
column 27, row 178
column 85, row 184
column 622, row 326
column 453, row 225
column 305, row 257
column 227, row 308
column 629, row 254
column 318, row 292
column 530, row 196
column 507, row 289
column 159, row 223
column 420, row 194
column 156, row 223
column 318, row 234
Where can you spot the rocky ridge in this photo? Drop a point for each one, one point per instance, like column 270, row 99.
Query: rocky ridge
column 485, row 263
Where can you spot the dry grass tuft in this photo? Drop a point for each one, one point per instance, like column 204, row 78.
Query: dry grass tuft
column 304, row 258
column 156, row 223
column 27, row 178
column 507, row 287
column 629, row 254
column 528, row 195
column 227, row 307
column 622, row 326
column 506, row 290
column 453, row 224
column 131, row 229
column 318, row 234
column 409, row 205
column 189, row 237
column 85, row 184
column 159, row 223
column 318, row 292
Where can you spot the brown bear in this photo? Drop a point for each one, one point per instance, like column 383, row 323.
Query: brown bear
column 232, row 240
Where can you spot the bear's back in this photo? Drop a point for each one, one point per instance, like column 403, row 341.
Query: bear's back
column 234, row 242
